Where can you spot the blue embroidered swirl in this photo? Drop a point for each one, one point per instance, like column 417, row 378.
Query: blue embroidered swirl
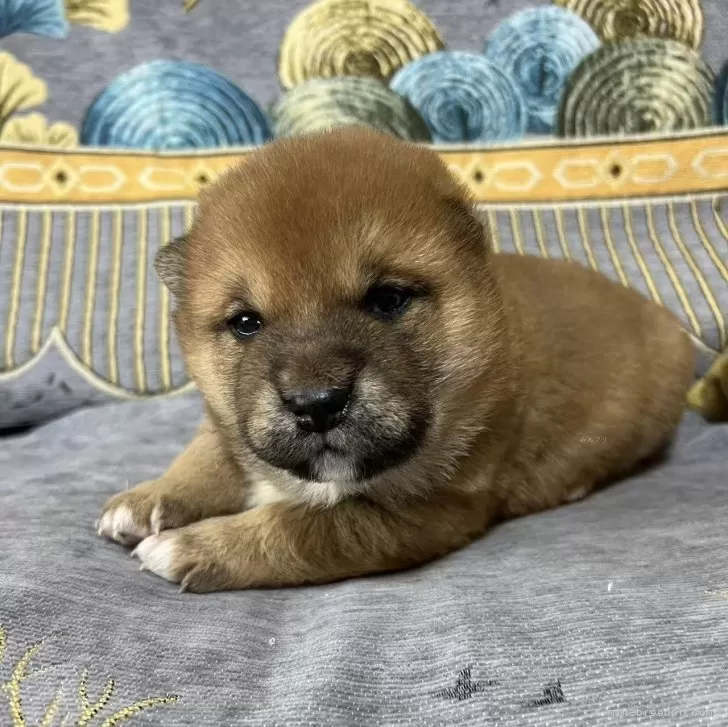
column 173, row 105
column 40, row 17
column 463, row 97
column 540, row 47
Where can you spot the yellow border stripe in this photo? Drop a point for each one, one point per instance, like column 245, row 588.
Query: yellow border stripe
column 704, row 287
column 559, row 217
column 141, row 300
column 494, row 231
column 585, row 241
column 114, row 290
column 15, row 287
column 65, row 301
column 523, row 173
column 610, row 246
column 716, row 204
column 644, row 268
column 674, row 278
column 516, row 230
column 536, row 214
column 41, row 287
column 705, row 241
column 164, row 308
column 90, row 297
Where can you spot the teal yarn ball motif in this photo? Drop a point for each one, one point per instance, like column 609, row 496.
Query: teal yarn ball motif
column 40, row 17
column 463, row 97
column 540, row 48
column 173, row 105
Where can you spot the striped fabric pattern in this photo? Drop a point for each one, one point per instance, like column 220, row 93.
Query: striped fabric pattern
column 84, row 275
column 674, row 252
column 88, row 274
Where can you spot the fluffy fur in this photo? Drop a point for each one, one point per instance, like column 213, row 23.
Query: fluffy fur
column 506, row 386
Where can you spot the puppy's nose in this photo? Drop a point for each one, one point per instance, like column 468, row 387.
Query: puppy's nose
column 318, row 410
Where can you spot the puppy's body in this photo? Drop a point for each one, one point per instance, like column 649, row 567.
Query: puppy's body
column 601, row 375
column 500, row 386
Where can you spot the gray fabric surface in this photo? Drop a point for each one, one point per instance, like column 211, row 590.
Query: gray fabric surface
column 621, row 598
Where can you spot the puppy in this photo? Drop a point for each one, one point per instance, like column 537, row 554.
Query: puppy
column 380, row 387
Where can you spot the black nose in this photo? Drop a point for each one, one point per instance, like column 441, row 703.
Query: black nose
column 318, row 410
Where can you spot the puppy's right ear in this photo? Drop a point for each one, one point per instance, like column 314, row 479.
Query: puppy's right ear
column 169, row 264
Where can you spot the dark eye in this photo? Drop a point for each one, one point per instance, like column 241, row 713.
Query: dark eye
column 245, row 325
column 387, row 301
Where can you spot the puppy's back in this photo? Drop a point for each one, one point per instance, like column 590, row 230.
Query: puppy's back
column 605, row 373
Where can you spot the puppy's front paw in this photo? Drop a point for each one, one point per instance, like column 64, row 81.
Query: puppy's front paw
column 147, row 509
column 203, row 557
column 162, row 555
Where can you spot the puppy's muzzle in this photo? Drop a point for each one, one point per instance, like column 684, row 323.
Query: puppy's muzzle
column 318, row 409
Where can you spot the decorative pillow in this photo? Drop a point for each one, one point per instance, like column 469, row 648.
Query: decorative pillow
column 91, row 187
column 85, row 319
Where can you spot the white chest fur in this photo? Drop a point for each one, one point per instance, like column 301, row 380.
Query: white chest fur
column 262, row 492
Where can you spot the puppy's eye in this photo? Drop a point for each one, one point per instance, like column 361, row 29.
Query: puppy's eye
column 245, row 324
column 387, row 301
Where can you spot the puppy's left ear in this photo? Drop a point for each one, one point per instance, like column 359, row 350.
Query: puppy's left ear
column 467, row 224
column 169, row 264
column 458, row 200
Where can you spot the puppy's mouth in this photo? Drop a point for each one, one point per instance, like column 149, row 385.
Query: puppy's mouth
column 349, row 453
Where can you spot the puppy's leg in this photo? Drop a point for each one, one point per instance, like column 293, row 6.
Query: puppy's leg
column 284, row 545
column 202, row 482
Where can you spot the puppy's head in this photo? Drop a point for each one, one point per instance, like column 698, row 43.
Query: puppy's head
column 336, row 308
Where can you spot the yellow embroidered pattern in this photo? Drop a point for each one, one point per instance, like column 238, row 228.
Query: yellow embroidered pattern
column 15, row 291
column 529, row 174
column 616, row 20
column 108, row 15
column 90, row 711
column 35, row 129
column 354, row 38
column 19, row 88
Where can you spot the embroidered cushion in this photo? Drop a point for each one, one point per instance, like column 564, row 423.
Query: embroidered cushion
column 93, row 185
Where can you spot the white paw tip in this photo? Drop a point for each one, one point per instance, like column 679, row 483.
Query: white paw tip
column 119, row 524
column 157, row 554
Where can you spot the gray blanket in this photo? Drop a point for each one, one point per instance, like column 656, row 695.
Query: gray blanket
column 611, row 611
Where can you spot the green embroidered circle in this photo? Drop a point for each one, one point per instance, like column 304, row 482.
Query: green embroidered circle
column 640, row 86
column 680, row 20
column 354, row 38
column 324, row 103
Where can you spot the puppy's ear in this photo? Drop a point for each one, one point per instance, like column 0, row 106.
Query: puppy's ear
column 468, row 226
column 458, row 201
column 169, row 264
